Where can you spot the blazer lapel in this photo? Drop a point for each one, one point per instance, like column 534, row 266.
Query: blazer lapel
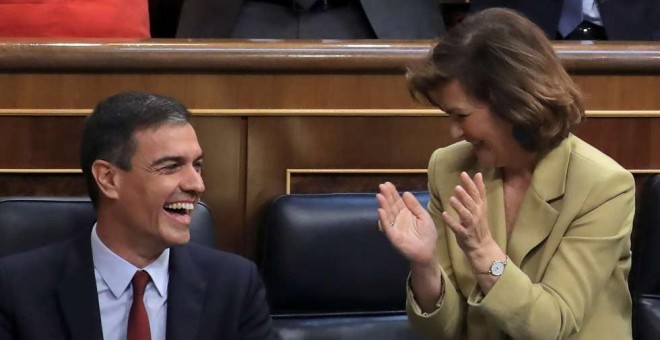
column 77, row 293
column 495, row 201
column 537, row 216
column 185, row 296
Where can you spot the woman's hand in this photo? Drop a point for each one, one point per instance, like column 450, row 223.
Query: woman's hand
column 469, row 201
column 407, row 225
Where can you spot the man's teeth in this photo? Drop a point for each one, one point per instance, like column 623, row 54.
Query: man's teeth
column 186, row 206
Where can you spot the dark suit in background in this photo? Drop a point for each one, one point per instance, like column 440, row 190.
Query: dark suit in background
column 51, row 294
column 341, row 19
column 622, row 19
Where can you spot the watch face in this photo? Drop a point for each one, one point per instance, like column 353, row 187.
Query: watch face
column 497, row 268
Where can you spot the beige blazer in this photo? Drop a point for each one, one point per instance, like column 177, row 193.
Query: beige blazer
column 569, row 251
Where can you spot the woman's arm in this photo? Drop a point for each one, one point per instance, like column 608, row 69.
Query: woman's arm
column 595, row 243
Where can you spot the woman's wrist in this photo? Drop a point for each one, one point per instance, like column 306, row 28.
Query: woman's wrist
column 482, row 258
column 428, row 267
column 426, row 284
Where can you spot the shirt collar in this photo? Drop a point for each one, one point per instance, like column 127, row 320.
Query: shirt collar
column 118, row 273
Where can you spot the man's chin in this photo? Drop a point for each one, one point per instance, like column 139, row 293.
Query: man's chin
column 178, row 240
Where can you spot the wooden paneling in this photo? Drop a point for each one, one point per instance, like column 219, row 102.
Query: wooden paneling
column 44, row 184
column 323, row 182
column 262, row 108
column 223, row 143
column 48, row 143
column 619, row 92
column 633, row 142
column 207, row 91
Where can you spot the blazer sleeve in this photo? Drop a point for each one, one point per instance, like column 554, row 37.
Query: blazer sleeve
column 447, row 321
column 594, row 245
column 255, row 322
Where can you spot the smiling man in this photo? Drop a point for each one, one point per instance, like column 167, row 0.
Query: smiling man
column 134, row 276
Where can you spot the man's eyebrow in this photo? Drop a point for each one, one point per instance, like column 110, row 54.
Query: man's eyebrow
column 167, row 159
column 175, row 159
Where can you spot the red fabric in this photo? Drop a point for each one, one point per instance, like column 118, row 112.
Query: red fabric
column 74, row 18
column 138, row 320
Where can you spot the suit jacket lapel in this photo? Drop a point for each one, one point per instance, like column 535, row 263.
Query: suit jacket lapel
column 185, row 296
column 77, row 293
column 208, row 18
column 419, row 19
column 537, row 216
column 495, row 200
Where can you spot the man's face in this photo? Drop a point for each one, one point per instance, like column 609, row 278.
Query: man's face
column 157, row 196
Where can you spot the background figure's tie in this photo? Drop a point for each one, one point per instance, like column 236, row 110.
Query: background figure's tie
column 138, row 320
column 571, row 17
column 306, row 4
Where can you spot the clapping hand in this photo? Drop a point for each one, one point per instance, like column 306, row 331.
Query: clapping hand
column 469, row 202
column 407, row 224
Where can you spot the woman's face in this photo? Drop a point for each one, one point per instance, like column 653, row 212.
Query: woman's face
column 473, row 121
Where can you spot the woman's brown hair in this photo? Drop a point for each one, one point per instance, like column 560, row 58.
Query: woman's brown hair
column 504, row 60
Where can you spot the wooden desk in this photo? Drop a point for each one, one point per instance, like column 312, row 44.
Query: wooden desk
column 301, row 116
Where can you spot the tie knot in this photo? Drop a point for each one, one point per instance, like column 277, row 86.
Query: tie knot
column 140, row 280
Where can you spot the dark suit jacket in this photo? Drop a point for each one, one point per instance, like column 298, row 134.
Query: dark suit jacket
column 390, row 19
column 622, row 19
column 50, row 293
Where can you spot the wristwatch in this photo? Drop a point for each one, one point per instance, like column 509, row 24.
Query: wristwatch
column 497, row 267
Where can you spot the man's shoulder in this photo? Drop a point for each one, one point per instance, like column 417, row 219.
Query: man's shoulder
column 37, row 270
column 37, row 259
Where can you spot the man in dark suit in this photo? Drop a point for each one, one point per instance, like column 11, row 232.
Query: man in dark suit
column 133, row 275
column 618, row 19
column 311, row 19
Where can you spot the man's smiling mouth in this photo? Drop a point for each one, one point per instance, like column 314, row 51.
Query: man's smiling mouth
column 179, row 208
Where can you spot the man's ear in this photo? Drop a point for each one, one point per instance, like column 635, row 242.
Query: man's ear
column 105, row 175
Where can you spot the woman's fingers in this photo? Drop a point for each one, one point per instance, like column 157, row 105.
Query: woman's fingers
column 470, row 187
column 413, row 204
column 385, row 210
column 481, row 186
column 466, row 199
column 465, row 216
column 394, row 202
column 454, row 225
column 384, row 222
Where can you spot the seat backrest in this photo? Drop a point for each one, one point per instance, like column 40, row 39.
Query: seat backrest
column 330, row 273
column 31, row 222
column 644, row 276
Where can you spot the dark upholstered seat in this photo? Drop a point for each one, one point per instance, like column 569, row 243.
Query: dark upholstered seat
column 645, row 273
column 31, row 222
column 329, row 273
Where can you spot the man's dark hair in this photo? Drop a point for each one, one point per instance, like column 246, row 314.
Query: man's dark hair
column 109, row 131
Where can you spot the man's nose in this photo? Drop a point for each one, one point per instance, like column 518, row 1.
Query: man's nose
column 193, row 181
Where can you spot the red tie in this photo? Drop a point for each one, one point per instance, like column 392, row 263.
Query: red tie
column 138, row 320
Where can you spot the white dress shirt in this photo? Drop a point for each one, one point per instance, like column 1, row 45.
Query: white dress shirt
column 113, row 285
column 590, row 12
